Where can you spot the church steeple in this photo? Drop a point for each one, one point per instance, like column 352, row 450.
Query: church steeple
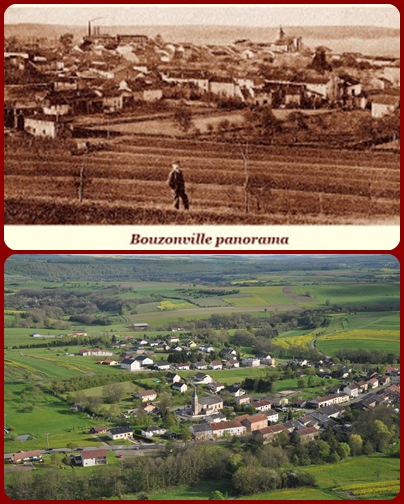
column 194, row 403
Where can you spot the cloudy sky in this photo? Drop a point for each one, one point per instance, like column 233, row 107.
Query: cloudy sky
column 384, row 15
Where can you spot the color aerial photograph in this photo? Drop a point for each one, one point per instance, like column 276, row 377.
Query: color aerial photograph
column 202, row 377
column 230, row 114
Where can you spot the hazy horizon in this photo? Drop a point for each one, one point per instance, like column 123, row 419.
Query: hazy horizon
column 253, row 15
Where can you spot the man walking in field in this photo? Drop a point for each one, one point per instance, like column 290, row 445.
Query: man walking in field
column 177, row 184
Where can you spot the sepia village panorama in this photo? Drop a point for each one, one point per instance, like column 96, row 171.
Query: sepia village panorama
column 267, row 130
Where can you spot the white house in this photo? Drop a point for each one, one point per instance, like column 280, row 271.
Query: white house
column 272, row 416
column 232, row 363
column 173, row 377
column 42, row 126
column 120, row 433
column 200, row 365
column 130, row 364
column 384, row 105
column 96, row 352
column 216, row 365
column 351, row 389
column 153, row 431
column 202, row 378
column 144, row 360
column 206, row 349
column 162, row 366
column 261, row 405
column 180, row 386
column 232, row 427
column 93, row 457
column 146, row 395
column 183, row 366
column 250, row 362
column 216, row 386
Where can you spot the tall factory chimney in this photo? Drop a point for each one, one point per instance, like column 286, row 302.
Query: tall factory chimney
column 89, row 30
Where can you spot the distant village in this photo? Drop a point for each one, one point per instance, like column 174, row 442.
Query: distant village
column 48, row 88
column 218, row 411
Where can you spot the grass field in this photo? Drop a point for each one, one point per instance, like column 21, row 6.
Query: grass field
column 351, row 295
column 333, row 190
column 388, row 340
column 201, row 490
column 380, row 330
column 49, row 415
column 353, row 478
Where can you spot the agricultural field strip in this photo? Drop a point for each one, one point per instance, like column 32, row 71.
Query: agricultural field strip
column 115, row 187
column 231, row 163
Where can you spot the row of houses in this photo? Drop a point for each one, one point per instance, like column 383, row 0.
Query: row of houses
column 131, row 363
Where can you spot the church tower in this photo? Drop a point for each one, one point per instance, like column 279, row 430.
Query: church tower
column 194, row 403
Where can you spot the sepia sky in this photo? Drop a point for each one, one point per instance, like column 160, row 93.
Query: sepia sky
column 383, row 15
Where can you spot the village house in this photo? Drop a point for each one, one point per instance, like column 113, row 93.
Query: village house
column 321, row 402
column 373, row 382
column 90, row 458
column 184, row 366
column 363, row 386
column 120, row 433
column 232, row 363
column 180, row 387
column 384, row 380
column 173, row 377
column 162, row 366
column 46, row 126
column 200, row 365
column 100, row 429
column 351, row 389
column 253, row 422
column 382, row 105
column 149, row 409
column 391, row 370
column 267, row 434
column 130, row 364
column 272, row 416
column 261, row 405
column 146, row 395
column 215, row 386
column 235, row 390
column 172, row 339
column 153, row 431
column 216, row 365
column 26, row 456
column 191, row 344
column 308, row 434
column 266, row 359
column 243, row 399
column 231, row 427
column 144, row 360
column 202, row 378
column 202, row 431
column 216, row 417
column 250, row 362
column 206, row 349
column 227, row 353
column 109, row 363
column 97, row 352
column 277, row 402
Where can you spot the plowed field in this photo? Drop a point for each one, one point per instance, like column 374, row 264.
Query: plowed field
column 127, row 184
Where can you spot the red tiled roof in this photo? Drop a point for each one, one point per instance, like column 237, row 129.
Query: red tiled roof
column 89, row 454
column 225, row 425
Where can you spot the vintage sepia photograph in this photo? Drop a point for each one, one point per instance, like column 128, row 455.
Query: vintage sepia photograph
column 202, row 377
column 192, row 114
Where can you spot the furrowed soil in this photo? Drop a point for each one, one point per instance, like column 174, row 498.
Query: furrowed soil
column 126, row 182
